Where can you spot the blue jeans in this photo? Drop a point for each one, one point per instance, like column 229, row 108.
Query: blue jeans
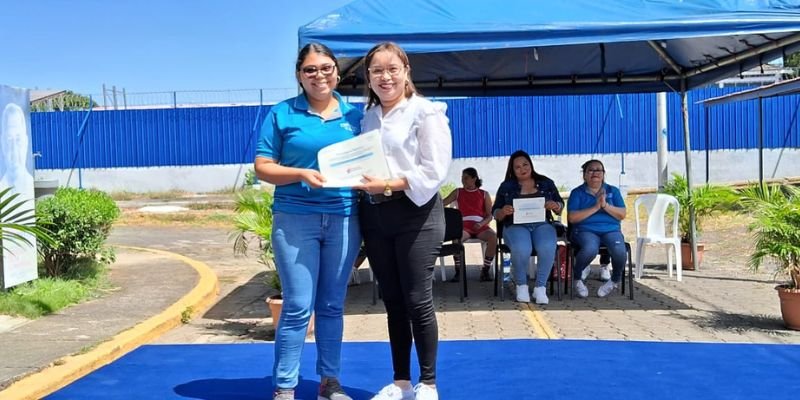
column 522, row 239
column 314, row 255
column 588, row 245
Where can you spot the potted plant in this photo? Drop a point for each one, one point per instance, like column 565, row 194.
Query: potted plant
column 253, row 221
column 776, row 236
column 707, row 200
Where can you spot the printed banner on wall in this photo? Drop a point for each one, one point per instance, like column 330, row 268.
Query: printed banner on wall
column 18, row 263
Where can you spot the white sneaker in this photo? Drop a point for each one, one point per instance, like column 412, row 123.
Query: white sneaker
column 523, row 296
column 605, row 272
column 394, row 392
column 426, row 392
column 607, row 288
column 586, row 272
column 540, row 295
column 580, row 289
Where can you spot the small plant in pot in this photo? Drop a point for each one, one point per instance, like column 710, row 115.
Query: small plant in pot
column 776, row 237
column 707, row 200
column 253, row 222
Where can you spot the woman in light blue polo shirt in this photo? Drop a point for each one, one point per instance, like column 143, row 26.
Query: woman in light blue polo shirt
column 595, row 211
column 315, row 230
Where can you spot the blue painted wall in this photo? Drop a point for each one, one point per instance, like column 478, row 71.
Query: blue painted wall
column 482, row 127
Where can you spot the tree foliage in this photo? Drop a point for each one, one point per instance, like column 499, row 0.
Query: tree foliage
column 67, row 101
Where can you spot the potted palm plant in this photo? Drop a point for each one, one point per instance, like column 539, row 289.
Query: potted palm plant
column 707, row 200
column 776, row 237
column 253, row 222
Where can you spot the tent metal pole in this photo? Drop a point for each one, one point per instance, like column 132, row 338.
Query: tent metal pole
column 687, row 151
column 761, row 141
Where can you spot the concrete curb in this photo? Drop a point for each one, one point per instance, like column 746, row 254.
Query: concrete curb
column 71, row 368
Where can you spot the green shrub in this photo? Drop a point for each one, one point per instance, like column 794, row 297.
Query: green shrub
column 80, row 221
column 445, row 189
column 706, row 199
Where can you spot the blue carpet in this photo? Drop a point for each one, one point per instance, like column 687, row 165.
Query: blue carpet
column 481, row 370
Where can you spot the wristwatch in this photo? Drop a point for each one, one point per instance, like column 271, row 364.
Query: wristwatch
column 387, row 190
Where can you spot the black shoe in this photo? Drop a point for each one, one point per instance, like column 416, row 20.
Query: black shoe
column 485, row 275
column 456, row 278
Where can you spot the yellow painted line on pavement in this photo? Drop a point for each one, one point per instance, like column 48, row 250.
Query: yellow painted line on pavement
column 536, row 318
column 71, row 368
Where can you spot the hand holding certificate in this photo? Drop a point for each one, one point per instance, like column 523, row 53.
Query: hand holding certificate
column 529, row 210
column 344, row 164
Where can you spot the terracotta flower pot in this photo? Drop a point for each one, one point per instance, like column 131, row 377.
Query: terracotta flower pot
column 275, row 304
column 686, row 255
column 790, row 306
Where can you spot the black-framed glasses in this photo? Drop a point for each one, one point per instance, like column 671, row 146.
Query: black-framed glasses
column 378, row 72
column 593, row 171
column 311, row 71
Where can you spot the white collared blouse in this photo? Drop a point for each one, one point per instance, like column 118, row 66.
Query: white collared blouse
column 416, row 140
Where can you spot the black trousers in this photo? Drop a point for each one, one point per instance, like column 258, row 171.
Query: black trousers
column 402, row 240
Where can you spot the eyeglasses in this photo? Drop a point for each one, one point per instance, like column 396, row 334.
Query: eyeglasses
column 592, row 171
column 378, row 72
column 311, row 71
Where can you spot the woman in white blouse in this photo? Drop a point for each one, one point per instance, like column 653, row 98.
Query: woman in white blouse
column 402, row 219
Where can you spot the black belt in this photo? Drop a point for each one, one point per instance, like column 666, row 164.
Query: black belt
column 379, row 198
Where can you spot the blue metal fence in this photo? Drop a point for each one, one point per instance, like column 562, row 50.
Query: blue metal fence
column 482, row 127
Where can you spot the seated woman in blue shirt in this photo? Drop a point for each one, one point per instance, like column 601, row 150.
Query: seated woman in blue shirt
column 596, row 210
column 523, row 181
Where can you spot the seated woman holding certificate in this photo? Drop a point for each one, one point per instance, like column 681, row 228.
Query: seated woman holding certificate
column 596, row 210
column 525, row 204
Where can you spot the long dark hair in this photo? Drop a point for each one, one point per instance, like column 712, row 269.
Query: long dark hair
column 473, row 173
column 315, row 47
column 510, row 169
column 410, row 89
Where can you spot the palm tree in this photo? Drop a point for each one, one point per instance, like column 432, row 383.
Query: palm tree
column 18, row 224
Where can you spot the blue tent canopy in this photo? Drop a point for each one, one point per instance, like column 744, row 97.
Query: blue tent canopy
column 524, row 47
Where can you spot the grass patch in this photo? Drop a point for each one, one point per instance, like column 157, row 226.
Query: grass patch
column 167, row 195
column 212, row 206
column 48, row 295
column 219, row 218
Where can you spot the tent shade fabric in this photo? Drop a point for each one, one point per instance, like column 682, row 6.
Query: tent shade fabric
column 791, row 86
column 524, row 47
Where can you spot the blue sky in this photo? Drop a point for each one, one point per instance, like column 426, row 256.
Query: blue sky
column 153, row 46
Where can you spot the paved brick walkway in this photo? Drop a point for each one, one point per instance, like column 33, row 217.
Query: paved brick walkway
column 722, row 302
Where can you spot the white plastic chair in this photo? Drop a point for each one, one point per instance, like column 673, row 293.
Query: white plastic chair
column 657, row 206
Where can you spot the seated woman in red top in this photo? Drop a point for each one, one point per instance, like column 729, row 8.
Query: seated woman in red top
column 475, row 205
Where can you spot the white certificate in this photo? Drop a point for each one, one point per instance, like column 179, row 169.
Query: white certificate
column 343, row 164
column 528, row 210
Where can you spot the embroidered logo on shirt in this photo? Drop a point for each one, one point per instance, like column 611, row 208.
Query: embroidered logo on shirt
column 346, row 126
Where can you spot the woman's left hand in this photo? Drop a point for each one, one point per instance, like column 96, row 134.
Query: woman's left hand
column 371, row 185
column 552, row 206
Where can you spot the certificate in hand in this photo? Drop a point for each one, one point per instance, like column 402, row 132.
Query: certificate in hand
column 528, row 210
column 343, row 164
